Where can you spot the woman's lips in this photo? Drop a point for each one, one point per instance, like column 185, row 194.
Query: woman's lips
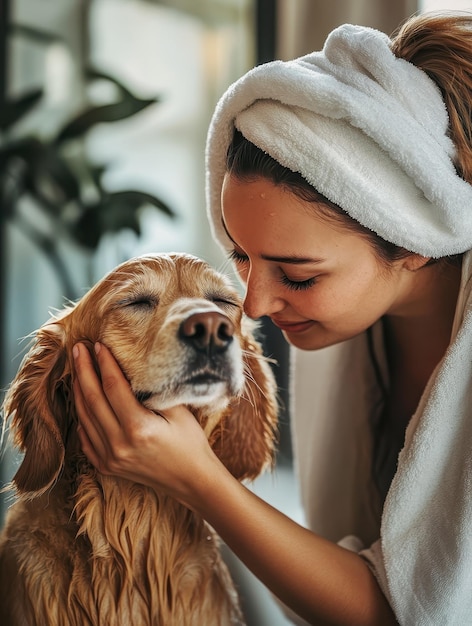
column 293, row 327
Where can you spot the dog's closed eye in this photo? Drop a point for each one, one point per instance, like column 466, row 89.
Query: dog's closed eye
column 223, row 300
column 143, row 301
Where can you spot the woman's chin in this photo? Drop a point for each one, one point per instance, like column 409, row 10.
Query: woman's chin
column 311, row 339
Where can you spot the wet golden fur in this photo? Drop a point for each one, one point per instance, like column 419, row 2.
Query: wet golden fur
column 80, row 548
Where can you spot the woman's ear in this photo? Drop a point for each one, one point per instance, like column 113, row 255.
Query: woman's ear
column 414, row 262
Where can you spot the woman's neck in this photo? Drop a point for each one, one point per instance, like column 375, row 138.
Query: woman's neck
column 417, row 340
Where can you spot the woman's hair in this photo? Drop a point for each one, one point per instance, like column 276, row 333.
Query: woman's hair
column 442, row 47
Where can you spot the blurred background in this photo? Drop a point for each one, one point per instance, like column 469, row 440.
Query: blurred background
column 104, row 109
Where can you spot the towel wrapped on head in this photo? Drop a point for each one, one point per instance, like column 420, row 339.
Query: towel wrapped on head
column 368, row 130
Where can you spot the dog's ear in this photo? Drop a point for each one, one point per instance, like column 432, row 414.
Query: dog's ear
column 246, row 440
column 37, row 402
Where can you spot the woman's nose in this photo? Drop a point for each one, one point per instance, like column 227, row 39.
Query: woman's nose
column 260, row 299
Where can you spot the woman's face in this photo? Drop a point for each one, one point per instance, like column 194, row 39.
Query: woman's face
column 318, row 282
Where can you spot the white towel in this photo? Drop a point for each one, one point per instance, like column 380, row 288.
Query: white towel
column 424, row 557
column 367, row 129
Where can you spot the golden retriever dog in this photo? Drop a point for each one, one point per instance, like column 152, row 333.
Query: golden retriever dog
column 80, row 548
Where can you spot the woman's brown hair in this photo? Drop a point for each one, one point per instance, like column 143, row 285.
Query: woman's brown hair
column 441, row 45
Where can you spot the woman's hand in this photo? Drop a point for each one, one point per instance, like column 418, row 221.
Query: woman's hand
column 166, row 451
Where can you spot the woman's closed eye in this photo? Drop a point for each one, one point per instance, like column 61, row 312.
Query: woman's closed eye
column 297, row 285
column 237, row 257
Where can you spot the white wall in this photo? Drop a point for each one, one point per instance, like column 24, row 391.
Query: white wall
column 452, row 5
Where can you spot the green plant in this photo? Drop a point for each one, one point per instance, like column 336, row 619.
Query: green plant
column 59, row 180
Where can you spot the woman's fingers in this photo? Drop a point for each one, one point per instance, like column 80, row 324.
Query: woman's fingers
column 115, row 387
column 92, row 438
column 90, row 401
column 101, row 398
column 110, row 417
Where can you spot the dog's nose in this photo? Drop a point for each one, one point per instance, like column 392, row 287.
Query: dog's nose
column 207, row 332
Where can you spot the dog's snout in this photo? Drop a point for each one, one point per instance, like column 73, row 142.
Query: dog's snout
column 210, row 331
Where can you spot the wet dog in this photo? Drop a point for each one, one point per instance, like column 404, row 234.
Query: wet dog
column 80, row 548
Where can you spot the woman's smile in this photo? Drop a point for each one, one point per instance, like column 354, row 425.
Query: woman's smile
column 293, row 327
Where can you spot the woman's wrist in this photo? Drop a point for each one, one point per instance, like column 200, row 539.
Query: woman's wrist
column 209, row 482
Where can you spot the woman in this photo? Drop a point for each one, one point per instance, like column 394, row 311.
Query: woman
column 339, row 184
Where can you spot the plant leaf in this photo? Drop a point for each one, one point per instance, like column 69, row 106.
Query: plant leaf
column 96, row 173
column 140, row 198
column 13, row 110
column 39, row 36
column 106, row 216
column 47, row 176
column 106, row 113
column 94, row 74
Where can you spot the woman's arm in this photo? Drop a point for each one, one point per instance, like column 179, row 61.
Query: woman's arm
column 319, row 580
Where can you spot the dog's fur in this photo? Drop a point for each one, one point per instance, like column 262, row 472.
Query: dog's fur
column 80, row 548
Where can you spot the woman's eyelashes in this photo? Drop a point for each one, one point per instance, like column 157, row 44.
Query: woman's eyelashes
column 295, row 285
column 237, row 257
